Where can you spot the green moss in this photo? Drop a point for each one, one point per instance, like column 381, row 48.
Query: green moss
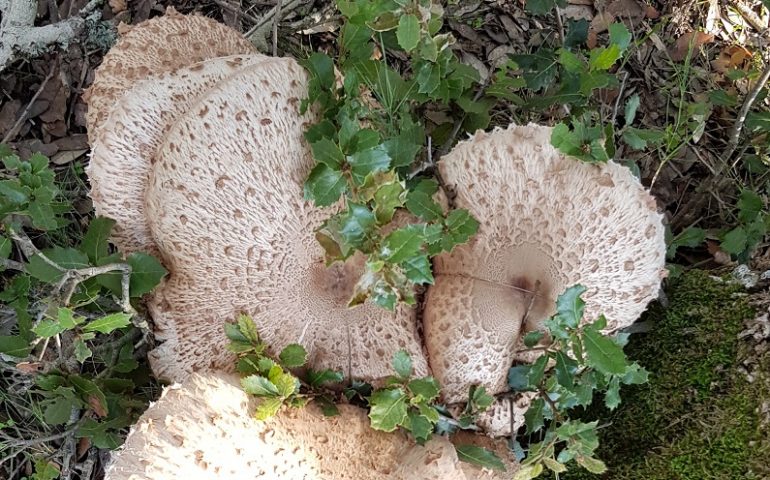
column 697, row 418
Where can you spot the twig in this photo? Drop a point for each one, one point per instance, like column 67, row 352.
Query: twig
column 23, row 118
column 533, row 296
column 50, row 438
column 28, row 248
column 13, row 265
column 70, row 446
column 545, row 396
column 560, row 26
column 620, row 96
column 19, row 35
column 749, row 15
column 459, row 123
column 276, row 20
column 258, row 33
column 426, row 164
column 735, row 132
column 236, row 10
column 71, row 278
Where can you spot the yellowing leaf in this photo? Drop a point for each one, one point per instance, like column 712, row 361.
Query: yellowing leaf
column 388, row 409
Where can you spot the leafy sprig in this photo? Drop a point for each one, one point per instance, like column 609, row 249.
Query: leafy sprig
column 30, row 191
column 79, row 296
column 369, row 137
column 405, row 402
column 271, row 379
column 577, row 361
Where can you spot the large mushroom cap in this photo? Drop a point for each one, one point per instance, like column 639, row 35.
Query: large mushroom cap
column 204, row 429
column 155, row 46
column 225, row 205
column 124, row 148
column 547, row 222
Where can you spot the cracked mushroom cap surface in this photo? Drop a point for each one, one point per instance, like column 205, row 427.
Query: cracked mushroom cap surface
column 547, row 222
column 226, row 210
column 124, row 149
column 204, row 428
column 157, row 45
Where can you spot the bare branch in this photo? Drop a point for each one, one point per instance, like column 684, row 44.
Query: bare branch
column 20, row 36
column 735, row 132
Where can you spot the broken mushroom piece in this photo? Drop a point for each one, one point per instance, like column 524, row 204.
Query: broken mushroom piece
column 547, row 222
column 204, row 429
column 225, row 207
column 158, row 45
column 125, row 146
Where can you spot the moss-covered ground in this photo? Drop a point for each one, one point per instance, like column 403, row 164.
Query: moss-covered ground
column 698, row 418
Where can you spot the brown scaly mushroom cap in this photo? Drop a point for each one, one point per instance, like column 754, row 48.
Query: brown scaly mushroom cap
column 125, row 147
column 158, row 45
column 547, row 223
column 225, row 208
column 204, row 429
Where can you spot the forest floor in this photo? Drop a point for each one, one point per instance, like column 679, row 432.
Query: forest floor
column 698, row 70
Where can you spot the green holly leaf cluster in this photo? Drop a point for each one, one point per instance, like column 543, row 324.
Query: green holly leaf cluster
column 31, row 191
column 92, row 295
column 752, row 228
column 405, row 401
column 272, row 380
column 579, row 361
column 411, row 403
column 370, row 136
column 82, row 329
column 108, row 399
column 94, row 385
column 478, row 401
column 585, row 142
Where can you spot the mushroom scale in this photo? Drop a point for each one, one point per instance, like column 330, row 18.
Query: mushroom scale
column 204, row 428
column 226, row 210
column 547, row 222
column 124, row 148
column 158, row 45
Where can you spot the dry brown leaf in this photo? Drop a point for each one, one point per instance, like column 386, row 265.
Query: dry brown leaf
column 682, row 46
column 8, row 115
column 651, row 12
column 83, row 445
column 578, row 12
column 719, row 255
column 96, row 405
column 628, row 10
column 65, row 157
column 731, row 57
column 602, row 22
column 593, row 39
column 29, row 367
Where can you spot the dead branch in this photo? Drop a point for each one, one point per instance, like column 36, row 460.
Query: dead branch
column 20, row 37
column 735, row 132
column 258, row 33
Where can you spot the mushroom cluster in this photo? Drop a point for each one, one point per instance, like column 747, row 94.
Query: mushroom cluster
column 203, row 429
column 198, row 154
